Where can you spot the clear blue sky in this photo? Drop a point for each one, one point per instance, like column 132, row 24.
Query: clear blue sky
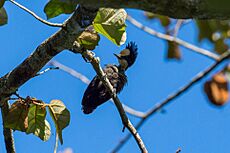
column 190, row 122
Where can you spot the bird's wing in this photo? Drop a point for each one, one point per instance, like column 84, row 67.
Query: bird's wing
column 96, row 93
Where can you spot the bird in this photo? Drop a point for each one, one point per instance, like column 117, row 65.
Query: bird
column 96, row 93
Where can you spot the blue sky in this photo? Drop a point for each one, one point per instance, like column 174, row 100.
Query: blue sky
column 190, row 122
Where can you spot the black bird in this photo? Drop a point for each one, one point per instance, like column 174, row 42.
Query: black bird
column 96, row 93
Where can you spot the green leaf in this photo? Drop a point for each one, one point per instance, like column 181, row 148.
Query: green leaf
column 56, row 7
column 60, row 115
column 206, row 29
column 111, row 23
column 45, row 132
column 220, row 46
column 3, row 16
column 16, row 118
column 165, row 21
column 37, row 123
column 216, row 31
column 150, row 15
column 2, row 3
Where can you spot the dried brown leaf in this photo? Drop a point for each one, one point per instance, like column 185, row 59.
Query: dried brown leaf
column 217, row 89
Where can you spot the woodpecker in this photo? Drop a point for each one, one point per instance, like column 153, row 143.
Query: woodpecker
column 96, row 93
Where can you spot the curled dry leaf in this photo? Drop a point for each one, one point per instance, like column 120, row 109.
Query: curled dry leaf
column 89, row 39
column 17, row 117
column 3, row 16
column 173, row 51
column 28, row 115
column 217, row 89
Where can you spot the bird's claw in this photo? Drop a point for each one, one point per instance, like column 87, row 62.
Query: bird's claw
column 114, row 91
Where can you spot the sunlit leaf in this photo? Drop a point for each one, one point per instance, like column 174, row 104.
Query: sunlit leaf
column 3, row 16
column 56, row 7
column 111, row 23
column 217, row 89
column 16, row 118
column 37, row 123
column 61, row 116
column 89, row 39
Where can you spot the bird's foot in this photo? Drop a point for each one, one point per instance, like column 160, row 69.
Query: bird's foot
column 114, row 91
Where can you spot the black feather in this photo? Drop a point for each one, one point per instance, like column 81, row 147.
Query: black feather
column 133, row 53
column 96, row 93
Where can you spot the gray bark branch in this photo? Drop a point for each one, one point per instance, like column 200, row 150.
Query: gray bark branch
column 180, row 9
column 8, row 133
column 45, row 52
column 55, row 44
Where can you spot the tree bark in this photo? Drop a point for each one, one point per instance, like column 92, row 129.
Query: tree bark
column 61, row 40
column 180, row 9
column 8, row 133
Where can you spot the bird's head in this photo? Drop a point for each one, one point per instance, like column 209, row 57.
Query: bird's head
column 127, row 56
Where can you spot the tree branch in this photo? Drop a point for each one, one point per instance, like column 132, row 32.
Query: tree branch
column 61, row 40
column 85, row 80
column 43, row 53
column 95, row 61
column 177, row 27
column 35, row 15
column 46, row 70
column 8, row 133
column 70, row 71
column 180, row 9
column 173, row 96
column 173, row 39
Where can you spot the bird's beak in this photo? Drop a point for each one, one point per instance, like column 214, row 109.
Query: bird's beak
column 117, row 55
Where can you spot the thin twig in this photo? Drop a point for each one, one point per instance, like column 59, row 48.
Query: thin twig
column 36, row 16
column 70, row 71
column 56, row 142
column 177, row 27
column 172, row 38
column 85, row 80
column 46, row 70
column 178, row 150
column 173, row 96
column 95, row 62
